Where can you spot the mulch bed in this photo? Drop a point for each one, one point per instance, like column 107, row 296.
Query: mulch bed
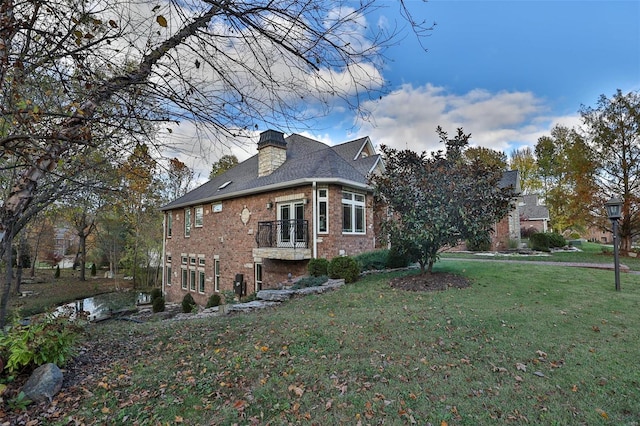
column 429, row 282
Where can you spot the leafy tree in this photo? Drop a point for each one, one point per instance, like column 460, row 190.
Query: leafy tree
column 180, row 179
column 491, row 157
column 139, row 205
column 567, row 166
column 524, row 161
column 222, row 165
column 438, row 200
column 613, row 129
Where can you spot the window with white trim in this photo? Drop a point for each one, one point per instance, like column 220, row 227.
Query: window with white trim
column 258, row 276
column 199, row 217
column 192, row 280
column 185, row 278
column 216, row 275
column 169, row 224
column 323, row 211
column 201, row 281
column 168, row 275
column 353, row 208
column 187, row 222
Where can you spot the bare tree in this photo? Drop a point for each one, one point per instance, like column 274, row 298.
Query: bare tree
column 72, row 69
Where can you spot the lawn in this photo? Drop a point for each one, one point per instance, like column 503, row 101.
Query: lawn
column 589, row 253
column 525, row 343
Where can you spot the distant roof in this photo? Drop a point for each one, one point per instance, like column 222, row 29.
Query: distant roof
column 511, row 178
column 307, row 161
column 531, row 209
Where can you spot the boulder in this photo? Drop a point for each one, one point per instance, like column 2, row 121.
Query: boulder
column 275, row 295
column 45, row 382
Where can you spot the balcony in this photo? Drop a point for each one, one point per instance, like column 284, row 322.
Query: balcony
column 283, row 240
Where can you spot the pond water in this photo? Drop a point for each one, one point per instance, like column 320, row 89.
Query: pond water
column 102, row 305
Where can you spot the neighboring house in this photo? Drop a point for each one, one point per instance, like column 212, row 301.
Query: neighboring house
column 506, row 233
column 260, row 222
column 533, row 214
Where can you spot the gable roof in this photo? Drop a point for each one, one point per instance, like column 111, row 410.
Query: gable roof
column 531, row 209
column 307, row 161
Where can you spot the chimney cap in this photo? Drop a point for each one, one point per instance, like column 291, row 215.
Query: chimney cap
column 271, row 137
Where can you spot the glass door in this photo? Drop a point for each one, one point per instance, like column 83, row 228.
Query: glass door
column 291, row 224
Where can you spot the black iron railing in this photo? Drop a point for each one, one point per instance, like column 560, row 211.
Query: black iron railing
column 283, row 233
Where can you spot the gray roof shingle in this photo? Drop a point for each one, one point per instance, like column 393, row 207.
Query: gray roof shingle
column 307, row 160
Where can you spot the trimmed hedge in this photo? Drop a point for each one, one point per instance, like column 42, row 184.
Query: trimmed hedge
column 188, row 304
column 344, row 267
column 539, row 241
column 318, row 267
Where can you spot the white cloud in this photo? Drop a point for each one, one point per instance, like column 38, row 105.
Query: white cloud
column 408, row 117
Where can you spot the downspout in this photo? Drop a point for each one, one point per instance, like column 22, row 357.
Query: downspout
column 164, row 248
column 314, row 224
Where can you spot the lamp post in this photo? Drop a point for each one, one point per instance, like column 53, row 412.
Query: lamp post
column 614, row 207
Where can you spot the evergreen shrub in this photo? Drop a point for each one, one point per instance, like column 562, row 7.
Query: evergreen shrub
column 157, row 304
column 344, row 267
column 556, row 240
column 214, row 300
column 310, row 282
column 317, row 267
column 188, row 304
column 539, row 241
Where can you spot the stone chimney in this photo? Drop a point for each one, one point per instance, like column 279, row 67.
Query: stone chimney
column 272, row 152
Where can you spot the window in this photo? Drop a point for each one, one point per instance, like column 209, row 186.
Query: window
column 199, row 217
column 184, row 260
column 187, row 222
column 168, row 275
column 169, row 224
column 192, row 280
column 192, row 261
column 323, row 210
column 185, row 277
column 258, row 276
column 201, row 281
column 201, row 261
column 216, row 275
column 353, row 213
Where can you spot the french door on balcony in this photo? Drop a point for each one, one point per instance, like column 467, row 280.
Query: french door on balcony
column 290, row 224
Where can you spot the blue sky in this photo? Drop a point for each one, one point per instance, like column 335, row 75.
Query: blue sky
column 505, row 71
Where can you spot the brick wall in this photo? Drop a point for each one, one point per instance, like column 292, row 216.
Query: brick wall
column 226, row 237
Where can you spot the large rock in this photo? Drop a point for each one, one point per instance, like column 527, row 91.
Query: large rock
column 44, row 383
column 275, row 295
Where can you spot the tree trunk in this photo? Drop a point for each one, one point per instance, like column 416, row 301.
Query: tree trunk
column 8, row 277
column 20, row 253
column 82, row 245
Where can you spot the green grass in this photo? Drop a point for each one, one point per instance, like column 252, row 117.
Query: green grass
column 591, row 253
column 525, row 343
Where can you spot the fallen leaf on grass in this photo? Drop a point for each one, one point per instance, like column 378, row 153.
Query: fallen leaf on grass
column 297, row 390
column 521, row 367
column 602, row 413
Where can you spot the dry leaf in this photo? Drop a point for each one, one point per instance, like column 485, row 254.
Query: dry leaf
column 521, row 367
column 161, row 20
column 296, row 390
column 602, row 413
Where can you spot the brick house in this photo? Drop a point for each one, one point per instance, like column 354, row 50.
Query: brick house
column 261, row 221
column 533, row 214
column 507, row 231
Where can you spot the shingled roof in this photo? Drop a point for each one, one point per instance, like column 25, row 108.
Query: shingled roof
column 531, row 209
column 307, row 161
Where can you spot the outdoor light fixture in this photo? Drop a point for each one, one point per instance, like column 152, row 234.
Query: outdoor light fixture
column 614, row 207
